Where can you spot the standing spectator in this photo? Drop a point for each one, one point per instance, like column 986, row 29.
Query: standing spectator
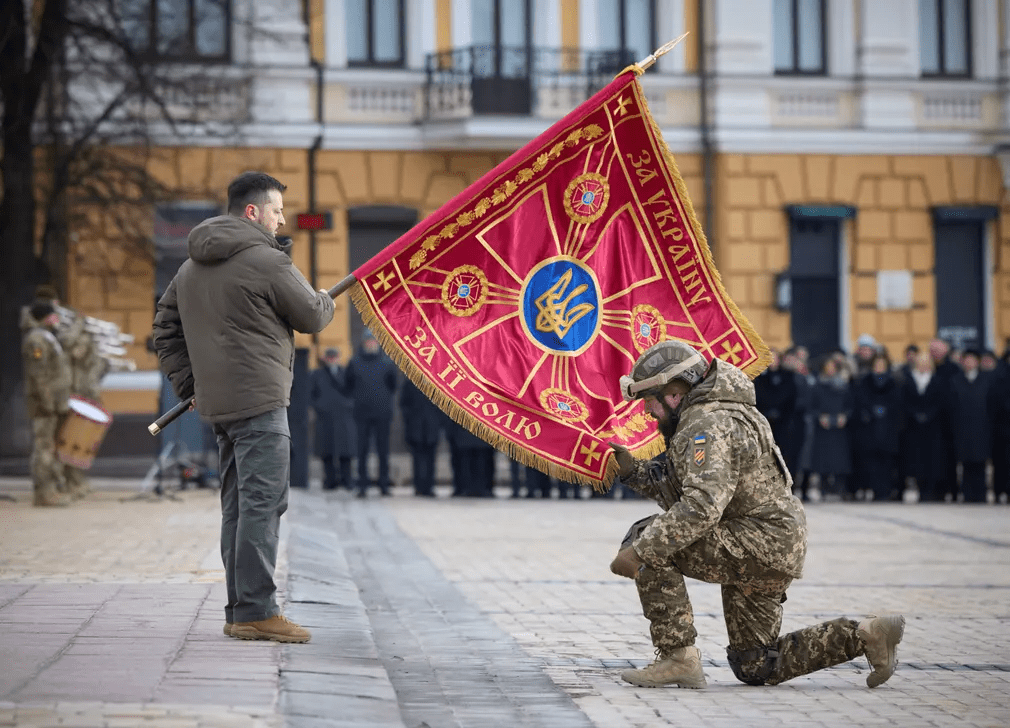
column 801, row 435
column 538, row 483
column 924, row 400
column 905, row 369
column 777, row 391
column 47, row 388
column 866, row 349
column 422, row 424
column 972, row 438
column 945, row 370
column 334, row 440
column 877, row 429
column 831, row 409
column 224, row 334
column 371, row 379
column 999, row 417
column 470, row 473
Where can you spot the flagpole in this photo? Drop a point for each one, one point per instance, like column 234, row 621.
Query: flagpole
column 173, row 414
column 662, row 50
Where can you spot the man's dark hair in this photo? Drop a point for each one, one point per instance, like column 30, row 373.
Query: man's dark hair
column 911, row 349
column 250, row 188
column 41, row 308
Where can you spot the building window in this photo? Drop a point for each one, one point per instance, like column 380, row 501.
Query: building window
column 800, row 37
column 627, row 26
column 375, row 33
column 945, row 37
column 178, row 30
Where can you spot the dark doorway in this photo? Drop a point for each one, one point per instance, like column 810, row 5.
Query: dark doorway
column 370, row 230
column 960, row 311
column 814, row 282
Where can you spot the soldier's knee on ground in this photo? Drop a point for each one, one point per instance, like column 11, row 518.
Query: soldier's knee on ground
column 754, row 666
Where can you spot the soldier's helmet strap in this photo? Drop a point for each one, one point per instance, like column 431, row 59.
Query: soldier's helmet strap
column 632, row 389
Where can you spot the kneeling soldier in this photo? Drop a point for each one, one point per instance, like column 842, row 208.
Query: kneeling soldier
column 729, row 518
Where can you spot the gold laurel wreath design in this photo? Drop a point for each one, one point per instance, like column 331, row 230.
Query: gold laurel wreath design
column 502, row 192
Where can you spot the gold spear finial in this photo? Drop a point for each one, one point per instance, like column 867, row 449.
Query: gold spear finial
column 666, row 48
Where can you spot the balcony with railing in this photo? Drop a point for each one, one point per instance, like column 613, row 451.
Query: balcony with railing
column 515, row 80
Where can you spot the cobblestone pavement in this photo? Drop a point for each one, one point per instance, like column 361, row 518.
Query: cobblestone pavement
column 111, row 615
column 540, row 571
column 468, row 612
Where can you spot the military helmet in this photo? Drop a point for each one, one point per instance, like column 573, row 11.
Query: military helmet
column 659, row 365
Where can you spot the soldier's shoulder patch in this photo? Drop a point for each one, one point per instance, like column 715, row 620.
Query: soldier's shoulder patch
column 700, row 442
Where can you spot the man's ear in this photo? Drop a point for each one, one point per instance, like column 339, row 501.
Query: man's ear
column 251, row 211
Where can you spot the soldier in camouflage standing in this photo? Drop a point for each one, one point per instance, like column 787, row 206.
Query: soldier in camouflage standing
column 47, row 385
column 729, row 518
column 87, row 367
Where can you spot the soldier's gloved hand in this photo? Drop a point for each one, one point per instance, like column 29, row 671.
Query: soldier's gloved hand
column 626, row 563
column 625, row 460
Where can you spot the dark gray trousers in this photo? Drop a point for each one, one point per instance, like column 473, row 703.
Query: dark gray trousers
column 255, row 468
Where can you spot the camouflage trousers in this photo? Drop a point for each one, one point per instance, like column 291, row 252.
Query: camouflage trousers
column 752, row 597
column 47, row 471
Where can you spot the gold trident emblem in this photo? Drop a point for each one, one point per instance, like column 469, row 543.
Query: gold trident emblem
column 554, row 313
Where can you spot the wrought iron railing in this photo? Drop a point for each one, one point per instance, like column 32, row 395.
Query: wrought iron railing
column 515, row 79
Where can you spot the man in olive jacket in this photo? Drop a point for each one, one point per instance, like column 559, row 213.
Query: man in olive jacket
column 224, row 334
column 729, row 518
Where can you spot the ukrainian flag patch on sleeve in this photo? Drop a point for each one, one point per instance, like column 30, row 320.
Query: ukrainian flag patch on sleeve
column 700, row 443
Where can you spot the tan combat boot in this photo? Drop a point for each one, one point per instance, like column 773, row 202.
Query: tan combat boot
column 881, row 636
column 682, row 667
column 49, row 497
column 277, row 628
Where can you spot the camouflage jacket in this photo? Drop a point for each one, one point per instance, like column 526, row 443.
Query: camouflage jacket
column 46, row 372
column 86, row 365
column 723, row 478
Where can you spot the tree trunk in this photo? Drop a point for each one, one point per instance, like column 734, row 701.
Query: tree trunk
column 20, row 274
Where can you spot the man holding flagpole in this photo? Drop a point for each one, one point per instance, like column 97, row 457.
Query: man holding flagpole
column 729, row 518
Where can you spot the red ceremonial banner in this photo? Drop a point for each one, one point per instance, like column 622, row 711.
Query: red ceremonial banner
column 518, row 305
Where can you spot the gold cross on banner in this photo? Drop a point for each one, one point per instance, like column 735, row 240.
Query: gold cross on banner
column 729, row 352
column 384, row 281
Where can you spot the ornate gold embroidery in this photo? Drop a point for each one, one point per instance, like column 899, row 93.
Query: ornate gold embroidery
column 501, row 193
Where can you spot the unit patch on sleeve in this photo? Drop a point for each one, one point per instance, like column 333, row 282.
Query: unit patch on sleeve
column 700, row 443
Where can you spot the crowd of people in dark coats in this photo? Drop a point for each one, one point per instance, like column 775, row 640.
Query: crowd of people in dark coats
column 937, row 425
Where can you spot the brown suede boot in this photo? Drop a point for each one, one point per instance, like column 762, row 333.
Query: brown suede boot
column 881, row 636
column 682, row 667
column 227, row 629
column 277, row 628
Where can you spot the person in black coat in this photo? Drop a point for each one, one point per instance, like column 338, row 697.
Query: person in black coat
column 334, row 441
column 422, row 423
column 924, row 399
column 777, row 391
column 945, row 369
column 472, row 462
column 831, row 408
column 999, row 418
column 877, row 426
column 371, row 379
column 972, row 437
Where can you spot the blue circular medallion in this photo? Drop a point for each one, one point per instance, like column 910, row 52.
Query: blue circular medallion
column 463, row 291
column 561, row 305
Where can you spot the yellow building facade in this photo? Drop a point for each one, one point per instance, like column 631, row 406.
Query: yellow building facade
column 882, row 153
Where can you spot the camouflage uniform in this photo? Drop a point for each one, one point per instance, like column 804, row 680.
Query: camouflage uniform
column 47, row 385
column 87, row 368
column 729, row 518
